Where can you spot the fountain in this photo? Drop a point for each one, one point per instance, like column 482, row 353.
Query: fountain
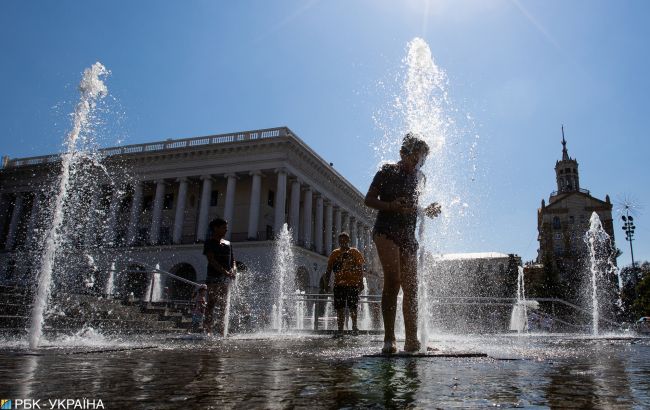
column 284, row 278
column 365, row 321
column 154, row 287
column 602, row 269
column 422, row 105
column 91, row 88
column 519, row 317
column 110, row 282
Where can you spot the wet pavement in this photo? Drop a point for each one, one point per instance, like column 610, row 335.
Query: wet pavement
column 308, row 371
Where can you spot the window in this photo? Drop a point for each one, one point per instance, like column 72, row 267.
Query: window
column 556, row 223
column 168, row 202
column 214, row 198
column 558, row 236
column 572, row 219
column 269, row 232
column 271, row 199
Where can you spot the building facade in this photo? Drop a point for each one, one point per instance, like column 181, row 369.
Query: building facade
column 154, row 202
column 563, row 262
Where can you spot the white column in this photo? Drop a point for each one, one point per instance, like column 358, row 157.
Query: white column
column 294, row 210
column 33, row 217
column 329, row 213
column 109, row 235
column 369, row 244
column 134, row 215
column 361, row 238
column 345, row 227
column 179, row 216
column 229, row 206
column 337, row 228
column 204, row 207
column 156, row 216
column 254, row 210
column 13, row 224
column 280, row 200
column 318, row 228
column 307, row 217
column 353, row 231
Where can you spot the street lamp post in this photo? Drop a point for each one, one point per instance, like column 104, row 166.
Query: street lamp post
column 628, row 227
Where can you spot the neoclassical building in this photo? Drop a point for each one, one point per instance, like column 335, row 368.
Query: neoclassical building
column 154, row 203
column 563, row 222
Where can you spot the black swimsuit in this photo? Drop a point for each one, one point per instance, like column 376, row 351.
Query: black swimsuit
column 391, row 182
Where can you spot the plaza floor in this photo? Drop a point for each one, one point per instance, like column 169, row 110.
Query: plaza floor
column 311, row 371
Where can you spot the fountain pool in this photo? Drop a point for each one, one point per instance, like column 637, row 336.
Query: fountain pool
column 278, row 371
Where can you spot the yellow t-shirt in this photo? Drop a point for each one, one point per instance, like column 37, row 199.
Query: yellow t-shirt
column 347, row 266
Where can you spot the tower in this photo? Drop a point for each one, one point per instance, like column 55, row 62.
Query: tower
column 566, row 171
column 562, row 222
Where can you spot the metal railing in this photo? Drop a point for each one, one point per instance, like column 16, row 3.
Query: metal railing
column 323, row 298
column 584, row 191
column 153, row 269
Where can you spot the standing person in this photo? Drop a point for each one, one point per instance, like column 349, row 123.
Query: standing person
column 221, row 271
column 394, row 192
column 347, row 264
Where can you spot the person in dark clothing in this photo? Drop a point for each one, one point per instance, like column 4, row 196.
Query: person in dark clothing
column 394, row 192
column 221, row 271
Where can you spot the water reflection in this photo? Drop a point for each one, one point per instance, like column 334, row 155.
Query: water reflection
column 319, row 373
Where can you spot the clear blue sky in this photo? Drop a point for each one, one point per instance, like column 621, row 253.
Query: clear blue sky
column 190, row 68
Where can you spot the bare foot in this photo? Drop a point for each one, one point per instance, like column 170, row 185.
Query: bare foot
column 390, row 347
column 412, row 346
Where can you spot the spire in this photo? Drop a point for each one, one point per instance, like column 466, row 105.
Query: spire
column 565, row 153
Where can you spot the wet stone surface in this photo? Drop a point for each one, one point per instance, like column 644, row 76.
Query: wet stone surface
column 271, row 371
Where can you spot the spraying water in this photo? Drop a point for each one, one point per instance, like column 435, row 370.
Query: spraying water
column 110, row 282
column 422, row 106
column 601, row 266
column 284, row 270
column 91, row 89
column 365, row 321
column 519, row 317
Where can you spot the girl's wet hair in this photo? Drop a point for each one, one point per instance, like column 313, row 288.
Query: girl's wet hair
column 413, row 143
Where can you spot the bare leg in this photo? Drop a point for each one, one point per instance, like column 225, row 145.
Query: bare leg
column 410, row 303
column 340, row 318
column 389, row 256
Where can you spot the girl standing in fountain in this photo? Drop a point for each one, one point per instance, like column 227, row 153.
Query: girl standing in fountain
column 394, row 192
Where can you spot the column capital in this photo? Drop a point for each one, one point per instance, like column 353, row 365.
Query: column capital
column 256, row 172
column 281, row 170
column 230, row 175
column 206, row 177
column 160, row 181
column 182, row 179
column 294, row 179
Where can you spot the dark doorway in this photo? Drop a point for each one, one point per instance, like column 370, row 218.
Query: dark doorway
column 134, row 281
column 180, row 290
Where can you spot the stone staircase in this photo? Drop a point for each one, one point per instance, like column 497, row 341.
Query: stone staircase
column 73, row 312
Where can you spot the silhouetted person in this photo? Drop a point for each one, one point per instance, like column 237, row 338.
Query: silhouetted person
column 221, row 271
column 394, row 193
